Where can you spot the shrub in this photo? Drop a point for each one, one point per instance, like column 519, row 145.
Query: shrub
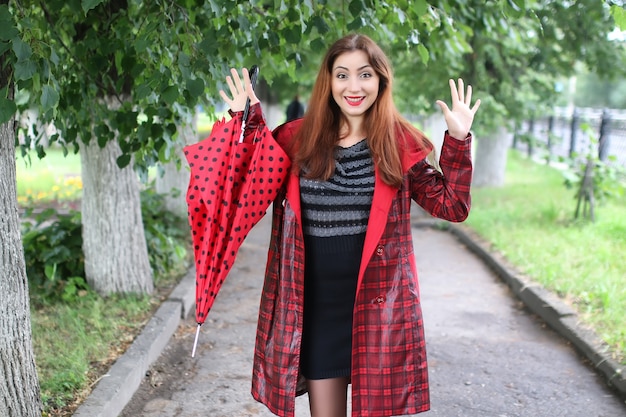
column 53, row 252
column 55, row 263
column 167, row 234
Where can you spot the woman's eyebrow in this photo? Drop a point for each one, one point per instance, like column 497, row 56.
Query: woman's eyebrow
column 346, row 69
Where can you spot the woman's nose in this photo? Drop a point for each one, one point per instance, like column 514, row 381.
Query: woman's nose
column 354, row 84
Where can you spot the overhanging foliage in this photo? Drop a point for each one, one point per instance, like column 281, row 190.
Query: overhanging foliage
column 160, row 59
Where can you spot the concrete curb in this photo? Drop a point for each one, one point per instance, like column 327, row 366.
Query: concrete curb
column 118, row 386
column 547, row 305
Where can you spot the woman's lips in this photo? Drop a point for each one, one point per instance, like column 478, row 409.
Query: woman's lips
column 354, row 101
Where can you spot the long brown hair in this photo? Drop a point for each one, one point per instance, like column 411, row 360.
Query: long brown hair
column 319, row 133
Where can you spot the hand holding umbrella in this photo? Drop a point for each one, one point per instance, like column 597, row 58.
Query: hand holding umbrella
column 231, row 185
column 241, row 95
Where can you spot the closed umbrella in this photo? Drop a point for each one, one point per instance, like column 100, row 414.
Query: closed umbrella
column 232, row 184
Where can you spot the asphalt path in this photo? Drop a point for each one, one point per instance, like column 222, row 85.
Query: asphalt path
column 488, row 356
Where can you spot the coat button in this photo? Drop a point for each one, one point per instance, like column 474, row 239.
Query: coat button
column 379, row 300
column 379, row 250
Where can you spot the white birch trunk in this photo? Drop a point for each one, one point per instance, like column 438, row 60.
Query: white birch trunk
column 174, row 181
column 114, row 243
column 19, row 385
column 490, row 159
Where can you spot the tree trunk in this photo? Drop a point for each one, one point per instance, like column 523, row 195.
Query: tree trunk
column 174, row 181
column 114, row 243
column 19, row 386
column 490, row 161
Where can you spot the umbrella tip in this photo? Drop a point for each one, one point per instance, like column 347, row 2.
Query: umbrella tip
column 195, row 342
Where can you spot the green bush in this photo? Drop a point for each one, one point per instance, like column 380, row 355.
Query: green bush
column 167, row 234
column 55, row 263
column 53, row 252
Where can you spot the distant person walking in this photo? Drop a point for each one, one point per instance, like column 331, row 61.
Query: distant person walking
column 295, row 109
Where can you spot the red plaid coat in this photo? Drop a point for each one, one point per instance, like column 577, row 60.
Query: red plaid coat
column 389, row 370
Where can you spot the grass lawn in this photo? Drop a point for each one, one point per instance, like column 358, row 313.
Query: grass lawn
column 53, row 178
column 92, row 333
column 530, row 221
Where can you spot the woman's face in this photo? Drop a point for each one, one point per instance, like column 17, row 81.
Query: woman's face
column 354, row 83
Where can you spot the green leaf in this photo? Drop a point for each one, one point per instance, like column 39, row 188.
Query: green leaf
column 357, row 23
column 619, row 14
column 183, row 60
column 54, row 58
column 320, row 24
column 420, row 7
column 318, row 44
column 49, row 98
column 165, row 153
column 4, row 46
column 5, row 14
column 90, row 4
column 209, row 46
column 7, row 107
column 7, row 31
column 423, row 52
column 293, row 34
column 170, row 94
column 141, row 44
column 142, row 91
column 356, row 7
column 123, row 161
column 195, row 87
column 25, row 70
column 50, row 271
column 22, row 50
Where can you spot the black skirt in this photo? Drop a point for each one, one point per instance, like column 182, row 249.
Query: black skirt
column 331, row 273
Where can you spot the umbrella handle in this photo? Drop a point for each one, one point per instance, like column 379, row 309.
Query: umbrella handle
column 254, row 75
column 195, row 342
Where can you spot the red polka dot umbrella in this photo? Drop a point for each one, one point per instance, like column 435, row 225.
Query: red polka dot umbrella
column 231, row 186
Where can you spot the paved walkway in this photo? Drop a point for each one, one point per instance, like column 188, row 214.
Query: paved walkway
column 488, row 356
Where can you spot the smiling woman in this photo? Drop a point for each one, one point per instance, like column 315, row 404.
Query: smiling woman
column 340, row 302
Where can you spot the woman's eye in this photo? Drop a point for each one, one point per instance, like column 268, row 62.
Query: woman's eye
column 366, row 75
column 341, row 76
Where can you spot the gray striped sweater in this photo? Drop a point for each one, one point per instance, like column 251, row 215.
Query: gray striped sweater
column 341, row 205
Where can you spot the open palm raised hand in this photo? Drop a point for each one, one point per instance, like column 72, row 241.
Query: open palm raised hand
column 240, row 91
column 459, row 119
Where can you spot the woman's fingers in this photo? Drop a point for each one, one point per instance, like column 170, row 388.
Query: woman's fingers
column 468, row 96
column 225, row 97
column 453, row 91
column 231, row 86
column 240, row 90
column 459, row 116
column 235, row 84
column 476, row 106
column 462, row 94
column 235, row 76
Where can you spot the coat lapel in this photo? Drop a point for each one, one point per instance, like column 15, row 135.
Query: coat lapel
column 283, row 135
column 381, row 202
column 293, row 195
